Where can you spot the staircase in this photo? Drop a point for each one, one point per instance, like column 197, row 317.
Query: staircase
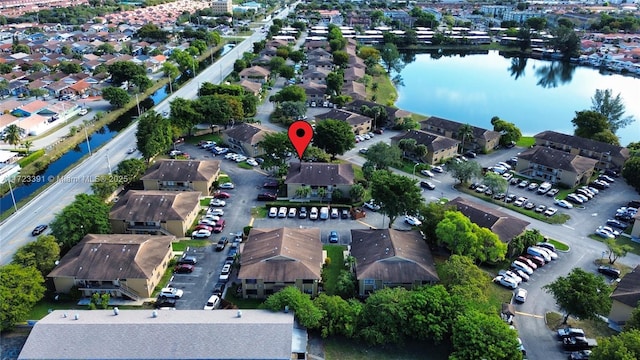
column 127, row 291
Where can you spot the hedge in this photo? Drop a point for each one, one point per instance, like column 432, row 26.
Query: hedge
column 31, row 158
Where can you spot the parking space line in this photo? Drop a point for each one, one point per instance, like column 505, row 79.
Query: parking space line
column 251, row 221
column 531, row 315
column 568, row 227
column 365, row 224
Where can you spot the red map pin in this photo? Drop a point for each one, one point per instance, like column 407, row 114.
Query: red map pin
column 300, row 134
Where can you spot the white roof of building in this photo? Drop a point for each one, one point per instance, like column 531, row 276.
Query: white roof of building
column 172, row 334
column 6, row 155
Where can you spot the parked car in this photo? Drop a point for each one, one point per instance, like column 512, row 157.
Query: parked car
column 170, row 292
column 282, row 212
column 528, row 262
column 270, row 185
column 215, row 212
column 218, row 288
column 183, row 269
column 334, row 237
column 292, row 212
column 569, row 332
column 604, row 234
column 578, row 343
column 550, row 211
column 427, row 185
column 510, row 198
column 437, row 169
column 552, row 192
column 313, row 214
column 546, row 245
column 39, row 229
column 521, row 266
column 580, row 355
column 226, row 271
column 273, row 212
column 481, row 188
column 412, row 220
column 539, row 252
column 610, row 229
column 222, row 243
column 529, row 205
column 538, row 260
column 564, row 203
column 574, row 199
column 324, row 213
column 505, row 281
column 334, row 213
column 344, row 214
column 302, row 214
column 221, row 195
column 371, row 205
column 267, row 197
column 609, row 271
column 617, row 224
column 532, row 186
column 227, row 186
column 523, row 275
column 217, row 203
column 521, row 295
column 201, row 234
column 520, row 201
column 219, row 226
column 427, row 173
column 191, row 260
column 212, row 303
column 165, row 302
column 523, row 184
column 511, row 274
column 204, row 227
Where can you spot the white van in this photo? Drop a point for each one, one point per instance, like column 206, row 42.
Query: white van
column 544, row 187
column 536, row 251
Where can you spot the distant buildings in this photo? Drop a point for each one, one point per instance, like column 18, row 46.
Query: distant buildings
column 222, row 7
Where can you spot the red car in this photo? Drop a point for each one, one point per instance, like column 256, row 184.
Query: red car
column 204, row 227
column 221, row 195
column 219, row 226
column 528, row 262
column 183, row 269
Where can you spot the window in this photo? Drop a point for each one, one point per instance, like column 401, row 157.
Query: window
column 251, row 281
column 308, row 281
column 251, row 291
column 369, row 281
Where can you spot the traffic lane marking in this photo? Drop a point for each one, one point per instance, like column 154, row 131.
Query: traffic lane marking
column 531, row 315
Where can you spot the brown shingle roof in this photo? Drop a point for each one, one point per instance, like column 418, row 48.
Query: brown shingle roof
column 183, row 170
column 392, row 256
column 247, row 133
column 254, row 71
column 320, row 174
column 433, row 142
column 117, row 256
column 558, row 159
column 582, row 143
column 628, row 289
column 154, row 205
column 338, row 114
column 282, row 255
column 453, row 126
column 502, row 224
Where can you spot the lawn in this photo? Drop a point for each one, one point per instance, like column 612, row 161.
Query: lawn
column 385, row 93
column 559, row 245
column 336, row 348
column 208, row 137
column 239, row 301
column 331, row 271
column 244, row 165
column 41, row 309
column 182, row 245
column 205, row 202
column 223, row 178
column 259, row 212
column 526, row 141
column 592, row 328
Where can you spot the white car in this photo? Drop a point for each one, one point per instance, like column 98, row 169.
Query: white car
column 240, row 158
column 505, row 281
column 511, row 274
column 170, row 292
column 604, row 234
column 371, row 205
column 215, row 212
column 252, row 162
column 212, row 303
column 523, row 275
column 550, row 211
column 201, row 234
column 313, row 214
column 521, row 295
column 521, row 266
column 226, row 270
column 217, row 203
column 227, row 186
column 437, row 169
column 564, row 203
column 273, row 212
column 282, row 212
column 231, row 156
column 292, row 212
column 131, row 150
column 412, row 220
column 520, row 201
column 610, row 229
column 427, row 173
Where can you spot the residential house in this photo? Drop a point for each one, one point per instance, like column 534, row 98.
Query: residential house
column 315, row 91
column 356, row 90
column 316, row 74
column 608, row 156
column 353, row 74
column 555, row 166
column 500, row 223
column 155, row 212
column 246, row 138
column 391, row 258
column 256, row 74
column 273, row 259
column 359, row 123
column 182, row 175
column 119, row 265
column 128, row 334
column 318, row 62
column 482, row 140
column 327, row 176
column 392, row 113
column 635, row 230
column 439, row 148
column 251, row 87
column 626, row 297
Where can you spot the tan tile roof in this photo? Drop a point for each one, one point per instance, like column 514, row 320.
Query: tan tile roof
column 558, row 159
column 282, row 255
column 392, row 256
column 154, row 205
column 183, row 170
column 117, row 256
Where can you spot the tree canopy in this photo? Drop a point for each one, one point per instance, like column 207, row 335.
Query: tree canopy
column 334, row 136
column 463, row 237
column 87, row 214
column 480, row 336
column 154, row 135
column 631, row 172
column 391, row 57
column 465, row 170
column 612, row 108
column 383, row 155
column 122, row 71
column 398, row 194
column 623, row 346
column 581, row 294
column 41, row 254
column 306, row 312
column 20, row 289
column 290, row 93
column 510, row 133
column 116, row 96
column 276, row 146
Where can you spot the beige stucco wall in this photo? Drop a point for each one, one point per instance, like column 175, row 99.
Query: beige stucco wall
column 63, row 284
column 635, row 231
column 291, row 190
column 261, row 288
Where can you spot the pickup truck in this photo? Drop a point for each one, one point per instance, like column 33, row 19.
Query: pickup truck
column 570, row 332
column 578, row 343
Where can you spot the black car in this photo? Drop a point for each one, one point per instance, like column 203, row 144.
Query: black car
column 617, row 224
column 267, row 197
column 470, row 154
column 474, row 185
column 511, row 198
column 270, row 185
column 165, row 302
column 218, row 289
column 344, row 213
column 611, row 173
column 222, row 243
column 191, row 260
column 580, row 355
column 609, row 271
column 39, row 229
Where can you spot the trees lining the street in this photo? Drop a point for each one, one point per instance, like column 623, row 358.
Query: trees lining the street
column 154, row 135
column 87, row 214
column 480, row 336
column 41, row 254
column 20, row 289
column 623, row 346
column 116, row 96
column 465, row 170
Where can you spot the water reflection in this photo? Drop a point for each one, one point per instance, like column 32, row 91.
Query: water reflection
column 555, row 73
column 518, row 65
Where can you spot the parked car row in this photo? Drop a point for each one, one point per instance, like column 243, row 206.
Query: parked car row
column 363, row 137
column 523, row 267
column 519, row 201
column 314, row 213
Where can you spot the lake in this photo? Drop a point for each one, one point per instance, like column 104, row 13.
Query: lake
column 536, row 95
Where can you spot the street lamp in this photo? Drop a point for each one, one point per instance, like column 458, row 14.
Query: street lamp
column 414, row 168
column 87, row 137
column 108, row 162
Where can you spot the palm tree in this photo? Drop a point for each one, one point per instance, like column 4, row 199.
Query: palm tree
column 465, row 132
column 322, row 193
column 303, row 191
column 12, row 135
column 421, row 151
column 407, row 146
column 27, row 145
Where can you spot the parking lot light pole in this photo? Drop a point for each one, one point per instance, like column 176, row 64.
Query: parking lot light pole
column 414, row 168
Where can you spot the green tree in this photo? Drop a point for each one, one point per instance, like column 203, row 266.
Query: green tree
column 306, row 312
column 170, row 70
column 481, row 336
column 465, row 132
column 391, row 58
column 518, row 244
column 184, row 115
column 13, row 135
column 463, row 278
column 105, row 48
column 116, row 96
column 38, row 92
column 624, row 346
column 400, row 194
column 27, row 144
column 20, row 289
column 463, row 237
column 631, row 172
column 581, row 294
column 495, row 182
column 296, row 56
column 465, row 171
column 122, row 71
column 41, row 254
column 339, row 317
column 606, row 136
column 275, row 146
column 340, row 58
column 382, row 317
column 154, row 135
column 356, row 192
column 104, row 185
column 293, row 109
column 239, row 65
column 537, row 23
column 287, row 72
column 407, row 146
column 131, row 170
column 290, row 93
column 369, row 52
column 634, row 322
column 524, row 38
column 87, row 214
column 335, row 81
column 587, row 123
column 383, row 155
column 142, row 82
column 346, row 284
column 612, row 108
column 186, row 62
column 315, row 154
column 510, row 133
column 566, row 41
column 616, row 250
column 433, row 212
column 20, row 48
column 68, row 67
column 334, row 136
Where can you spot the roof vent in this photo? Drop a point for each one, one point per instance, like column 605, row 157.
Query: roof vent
column 76, row 316
column 116, row 311
column 64, row 315
column 239, row 313
column 154, row 314
column 286, row 309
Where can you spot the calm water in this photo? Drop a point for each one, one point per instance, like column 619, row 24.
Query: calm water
column 536, row 95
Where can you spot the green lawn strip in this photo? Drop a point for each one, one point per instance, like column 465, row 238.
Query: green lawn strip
column 408, row 167
column 559, row 245
column 331, row 271
column 233, row 297
column 205, row 202
column 41, row 308
column 244, row 165
column 385, row 93
column 208, row 137
column 526, row 141
column 621, row 240
column 164, row 280
column 339, row 348
column 223, row 178
column 182, row 245
column 592, row 328
column 259, row 212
